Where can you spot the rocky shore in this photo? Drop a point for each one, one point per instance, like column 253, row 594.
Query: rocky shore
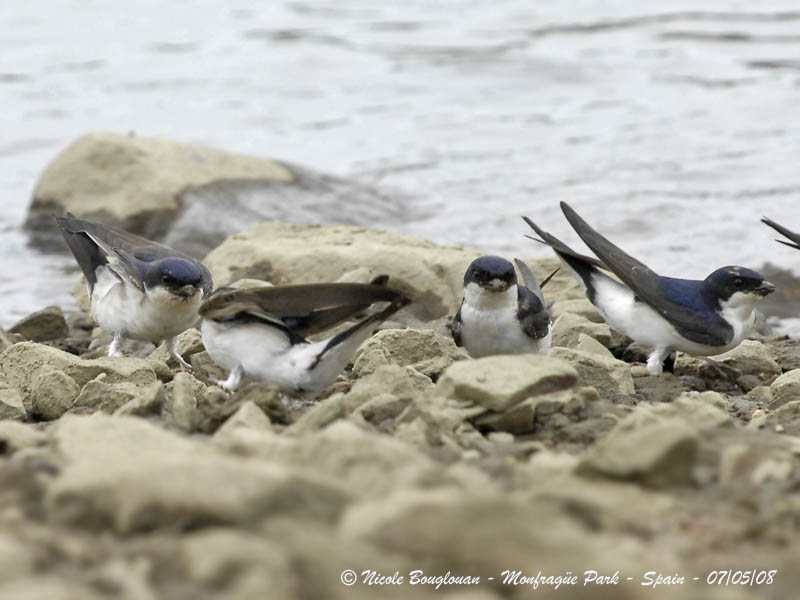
column 126, row 478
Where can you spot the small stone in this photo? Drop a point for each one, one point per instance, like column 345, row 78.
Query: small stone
column 149, row 400
column 589, row 344
column 779, row 428
column 500, row 382
column 53, row 393
column 44, row 325
column 568, row 327
column 785, row 388
column 501, row 437
column 248, row 415
column 639, row 371
column 611, row 377
column 189, row 342
column 426, row 351
column 658, row 453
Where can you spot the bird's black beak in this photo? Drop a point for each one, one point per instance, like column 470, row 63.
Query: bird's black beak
column 765, row 289
column 187, row 291
column 495, row 285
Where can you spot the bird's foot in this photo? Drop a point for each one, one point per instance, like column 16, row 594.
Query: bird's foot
column 114, row 349
column 172, row 347
column 723, row 370
column 231, row 384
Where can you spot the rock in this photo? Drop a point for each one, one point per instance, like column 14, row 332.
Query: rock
column 785, row 388
column 6, row 340
column 53, row 392
column 11, row 406
column 134, row 475
column 190, row 342
column 248, row 415
column 426, row 351
column 43, row 325
column 137, row 183
column 16, row 436
column 751, row 357
column 520, row 418
column 569, row 326
column 609, row 376
column 786, row 353
column 266, row 396
column 149, row 400
column 659, row 388
column 785, row 419
column 282, row 253
column 586, row 343
column 499, row 382
column 658, row 453
column 23, row 361
column 579, row 306
column 237, row 564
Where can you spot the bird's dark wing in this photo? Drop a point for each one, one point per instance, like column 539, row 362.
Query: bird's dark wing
column 529, row 279
column 532, row 313
column 701, row 326
column 305, row 309
column 794, row 237
column 455, row 327
column 127, row 254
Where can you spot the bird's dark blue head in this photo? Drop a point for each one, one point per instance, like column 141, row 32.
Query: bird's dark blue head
column 727, row 281
column 492, row 273
column 179, row 276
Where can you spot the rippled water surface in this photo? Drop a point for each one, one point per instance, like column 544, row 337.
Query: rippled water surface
column 672, row 126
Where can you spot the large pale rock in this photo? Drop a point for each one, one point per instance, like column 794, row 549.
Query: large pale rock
column 128, row 472
column 28, row 365
column 785, row 388
column 609, row 376
column 282, row 253
column 109, row 397
column 426, row 351
column 751, row 357
column 53, row 393
column 43, row 325
column 138, row 183
column 499, row 382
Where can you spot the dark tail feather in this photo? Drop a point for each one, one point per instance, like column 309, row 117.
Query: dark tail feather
column 86, row 252
column 793, row 236
column 378, row 317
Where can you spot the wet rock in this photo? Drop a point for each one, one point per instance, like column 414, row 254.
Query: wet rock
column 53, row 392
column 134, row 475
column 137, row 183
column 609, row 376
column 499, row 382
column 656, row 452
column 785, row 388
column 569, row 326
column 44, row 325
column 426, row 351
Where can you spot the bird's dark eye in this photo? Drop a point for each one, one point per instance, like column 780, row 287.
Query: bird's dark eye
column 738, row 283
column 166, row 278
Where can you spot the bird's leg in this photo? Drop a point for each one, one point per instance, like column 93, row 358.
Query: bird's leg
column 172, row 348
column 113, row 347
column 233, row 380
column 655, row 362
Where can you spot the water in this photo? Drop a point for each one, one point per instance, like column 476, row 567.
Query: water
column 671, row 126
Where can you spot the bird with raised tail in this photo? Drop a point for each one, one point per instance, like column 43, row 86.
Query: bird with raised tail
column 138, row 289
column 699, row 317
column 499, row 316
column 260, row 333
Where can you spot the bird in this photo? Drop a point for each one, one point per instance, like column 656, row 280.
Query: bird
column 793, row 237
column 499, row 316
column 138, row 289
column 699, row 317
column 261, row 333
